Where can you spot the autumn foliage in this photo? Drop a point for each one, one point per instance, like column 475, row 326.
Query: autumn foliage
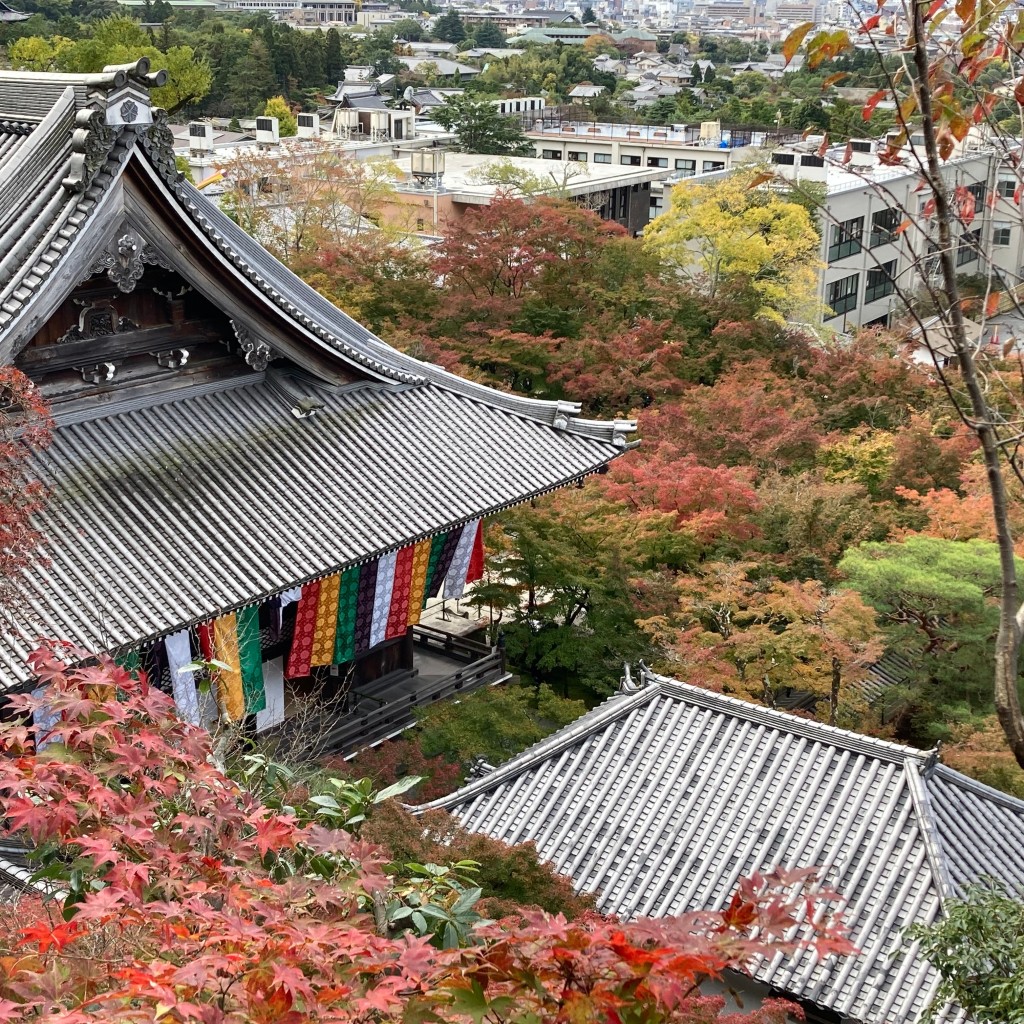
column 176, row 895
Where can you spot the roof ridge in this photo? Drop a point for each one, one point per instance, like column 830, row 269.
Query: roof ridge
column 845, row 738
column 952, row 776
column 366, row 349
column 614, row 707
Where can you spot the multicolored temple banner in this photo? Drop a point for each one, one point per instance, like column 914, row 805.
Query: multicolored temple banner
column 455, row 579
column 338, row 618
column 301, row 656
column 229, row 678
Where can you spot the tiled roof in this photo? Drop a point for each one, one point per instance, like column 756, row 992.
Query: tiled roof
column 167, row 514
column 173, row 509
column 659, row 800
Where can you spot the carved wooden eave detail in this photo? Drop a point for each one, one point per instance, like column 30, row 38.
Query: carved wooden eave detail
column 126, row 261
column 256, row 352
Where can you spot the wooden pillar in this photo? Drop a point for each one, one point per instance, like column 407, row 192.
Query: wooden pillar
column 407, row 649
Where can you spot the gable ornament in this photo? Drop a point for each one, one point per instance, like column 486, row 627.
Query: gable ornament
column 127, row 261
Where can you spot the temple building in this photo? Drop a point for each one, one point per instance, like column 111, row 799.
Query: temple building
column 661, row 799
column 8, row 14
column 239, row 471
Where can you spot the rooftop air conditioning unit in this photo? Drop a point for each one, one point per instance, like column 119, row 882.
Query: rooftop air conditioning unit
column 200, row 138
column 309, row 126
column 267, row 131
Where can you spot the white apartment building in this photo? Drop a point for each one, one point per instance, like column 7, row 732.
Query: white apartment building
column 680, row 151
column 869, row 254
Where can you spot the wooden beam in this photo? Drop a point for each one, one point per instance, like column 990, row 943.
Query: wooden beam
column 111, row 347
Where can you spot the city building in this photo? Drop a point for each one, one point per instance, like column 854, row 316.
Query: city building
column 871, row 250
column 238, row 469
column 661, row 799
column 567, row 35
column 438, row 189
column 678, row 150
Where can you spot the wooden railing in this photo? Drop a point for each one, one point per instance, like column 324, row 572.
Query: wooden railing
column 354, row 732
column 458, row 647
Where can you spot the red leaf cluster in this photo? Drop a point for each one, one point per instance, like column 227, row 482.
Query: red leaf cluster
column 185, row 899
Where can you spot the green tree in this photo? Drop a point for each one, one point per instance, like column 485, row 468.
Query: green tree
column 936, row 601
column 334, row 62
column 488, row 34
column 494, row 724
column 408, row 29
column 563, row 584
column 589, row 17
column 977, row 946
column 481, row 127
column 277, row 106
column 254, row 79
column 450, row 28
column 312, row 60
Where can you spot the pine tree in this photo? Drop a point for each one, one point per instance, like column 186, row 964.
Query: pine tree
column 449, row 27
column 312, row 53
column 480, row 127
column 254, row 79
column 589, row 17
column 333, row 60
column 488, row 34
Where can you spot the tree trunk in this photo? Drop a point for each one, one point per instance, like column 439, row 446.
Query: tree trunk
column 1008, row 640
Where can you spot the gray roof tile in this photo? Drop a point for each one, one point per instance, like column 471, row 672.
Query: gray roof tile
column 171, row 513
column 166, row 514
column 660, row 800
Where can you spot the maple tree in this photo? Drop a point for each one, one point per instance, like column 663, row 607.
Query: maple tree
column 749, row 416
column 295, row 202
column 765, row 638
column 177, row 895
column 24, row 428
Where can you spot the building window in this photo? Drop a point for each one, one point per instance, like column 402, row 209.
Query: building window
column 551, row 154
column 884, row 225
column 967, row 250
column 631, row 161
column 1006, row 187
column 786, row 159
column 712, row 165
column 846, row 239
column 602, row 158
column 657, row 161
column 860, row 146
column 1001, row 233
column 686, row 167
column 880, row 282
column 578, row 155
column 841, row 295
column 419, row 224
column 623, row 202
column 812, row 161
column 978, row 191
